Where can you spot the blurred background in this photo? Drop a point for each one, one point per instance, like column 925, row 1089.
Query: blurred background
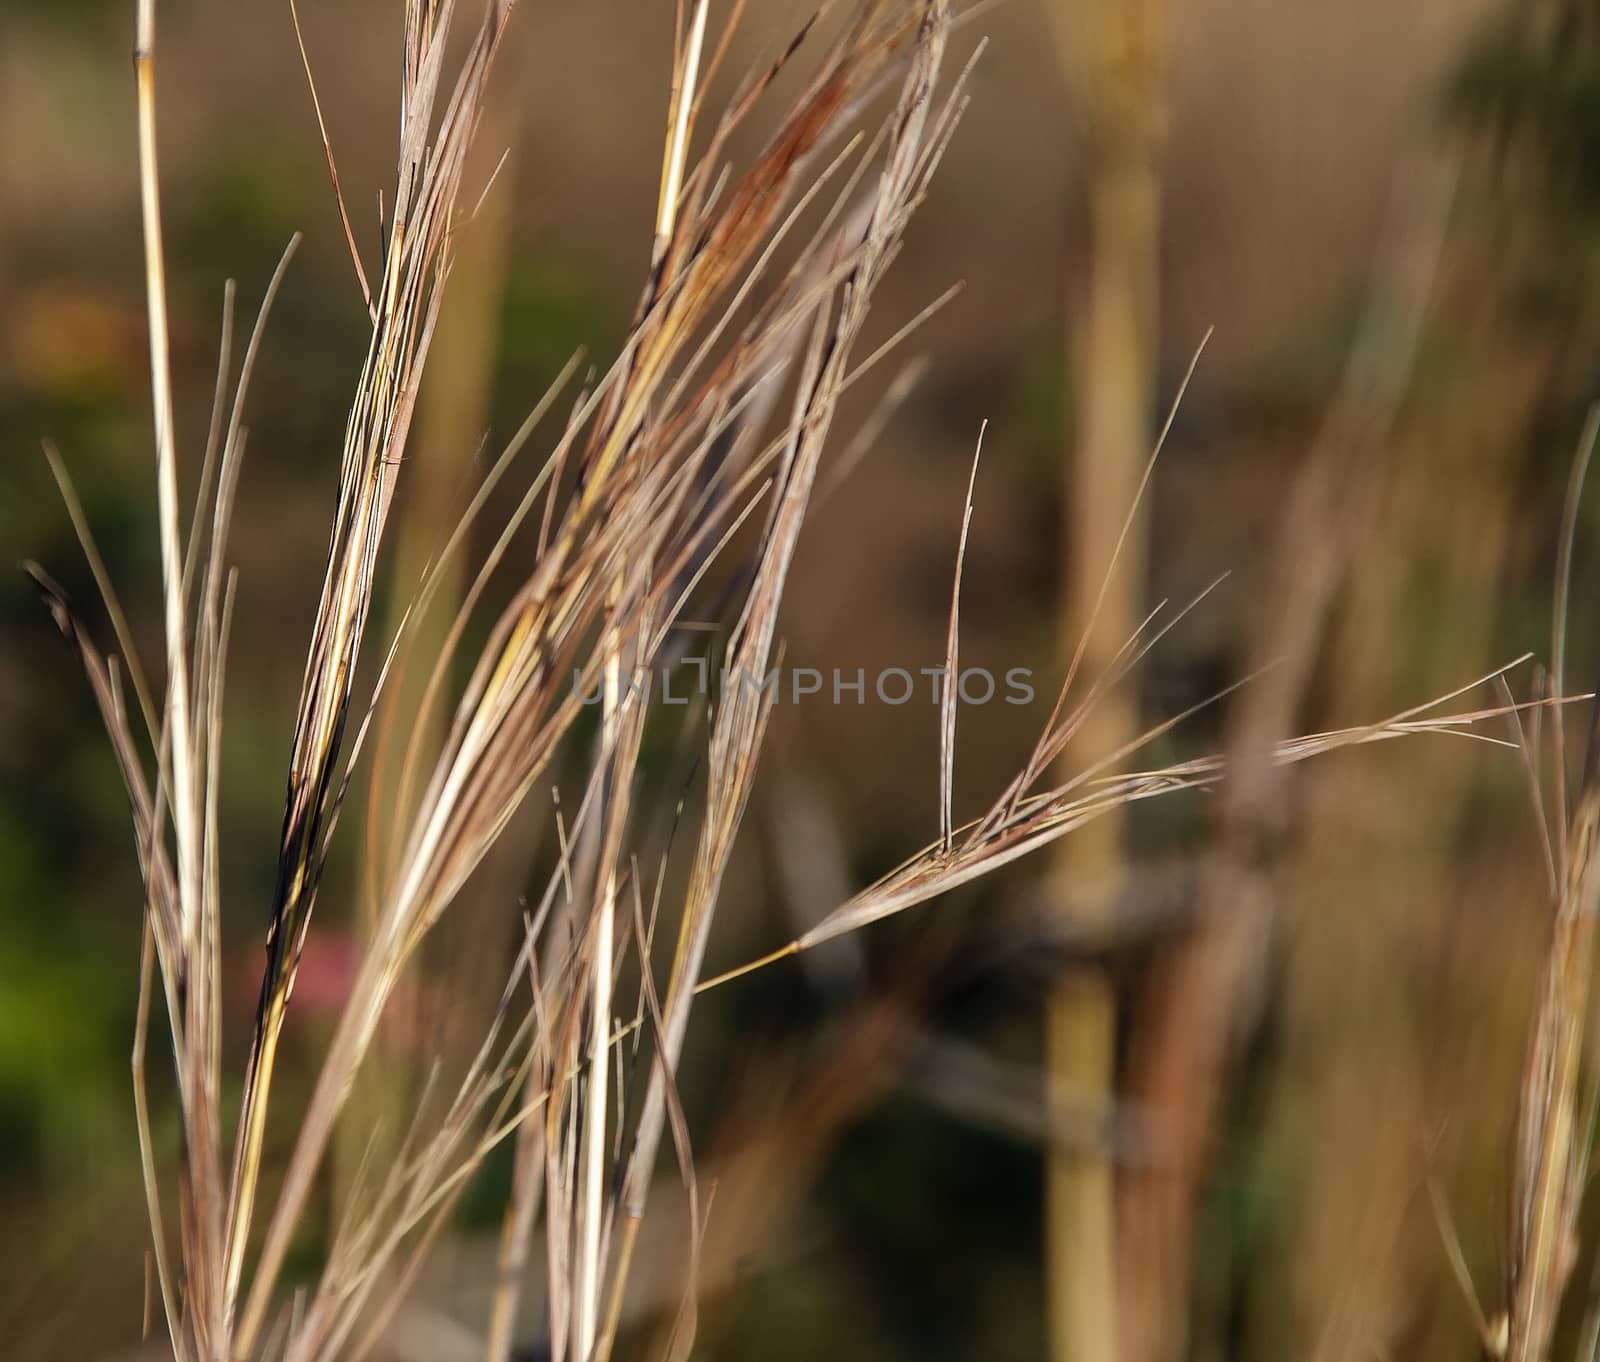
column 1232, row 1077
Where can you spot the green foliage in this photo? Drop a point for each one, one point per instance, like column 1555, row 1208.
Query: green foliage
column 247, row 207
column 548, row 311
column 929, row 1207
column 62, row 1034
column 71, row 15
column 1533, row 77
column 1043, row 403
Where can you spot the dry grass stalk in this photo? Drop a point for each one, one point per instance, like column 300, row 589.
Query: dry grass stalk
column 648, row 510
column 1556, row 1112
column 1554, row 1130
column 1006, row 833
column 407, row 306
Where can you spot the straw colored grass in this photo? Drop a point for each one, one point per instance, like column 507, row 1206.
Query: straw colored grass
column 698, row 448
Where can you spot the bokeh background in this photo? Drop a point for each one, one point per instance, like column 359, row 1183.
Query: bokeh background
column 1384, row 211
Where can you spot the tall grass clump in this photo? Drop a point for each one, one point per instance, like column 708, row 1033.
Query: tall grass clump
column 678, row 485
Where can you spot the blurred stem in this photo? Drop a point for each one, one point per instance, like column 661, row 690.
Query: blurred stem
column 1186, row 1031
column 1375, row 886
column 1112, row 52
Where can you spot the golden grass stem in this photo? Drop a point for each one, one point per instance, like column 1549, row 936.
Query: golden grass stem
column 184, row 806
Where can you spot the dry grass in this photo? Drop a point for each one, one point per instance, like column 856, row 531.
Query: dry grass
column 698, row 450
